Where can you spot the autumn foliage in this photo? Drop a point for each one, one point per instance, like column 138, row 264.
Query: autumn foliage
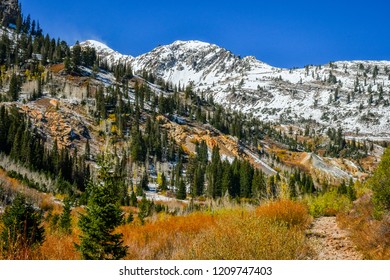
column 272, row 231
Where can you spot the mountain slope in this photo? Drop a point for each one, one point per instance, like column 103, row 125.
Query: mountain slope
column 353, row 95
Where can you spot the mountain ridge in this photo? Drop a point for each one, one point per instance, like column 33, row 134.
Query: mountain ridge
column 353, row 95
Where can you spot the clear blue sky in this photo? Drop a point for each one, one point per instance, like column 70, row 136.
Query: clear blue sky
column 281, row 33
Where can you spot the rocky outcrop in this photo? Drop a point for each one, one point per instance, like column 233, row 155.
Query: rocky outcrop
column 58, row 124
column 9, row 10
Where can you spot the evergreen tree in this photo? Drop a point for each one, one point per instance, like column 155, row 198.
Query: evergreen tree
column 214, row 174
column 137, row 150
column 67, row 65
column 14, row 88
column 76, row 56
column 65, row 221
column 181, row 192
column 143, row 209
column 133, row 199
column 130, row 218
column 144, row 182
column 98, row 240
column 227, row 178
column 272, row 186
column 258, row 184
column 246, row 176
column 292, row 187
column 163, row 184
column 22, row 227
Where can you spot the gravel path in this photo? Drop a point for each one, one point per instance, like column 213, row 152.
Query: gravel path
column 330, row 242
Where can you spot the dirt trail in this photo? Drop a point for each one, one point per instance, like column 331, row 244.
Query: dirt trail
column 330, row 242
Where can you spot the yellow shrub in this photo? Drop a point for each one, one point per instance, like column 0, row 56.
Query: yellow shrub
column 328, row 204
column 285, row 211
column 244, row 235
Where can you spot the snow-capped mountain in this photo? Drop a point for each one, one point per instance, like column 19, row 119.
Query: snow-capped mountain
column 354, row 95
column 107, row 54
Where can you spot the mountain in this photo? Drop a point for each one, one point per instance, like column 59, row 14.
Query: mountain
column 353, row 95
column 9, row 10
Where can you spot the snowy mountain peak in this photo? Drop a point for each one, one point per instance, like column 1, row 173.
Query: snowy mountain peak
column 99, row 46
column 353, row 95
column 106, row 53
column 192, row 44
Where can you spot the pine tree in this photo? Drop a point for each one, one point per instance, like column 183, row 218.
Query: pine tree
column 143, row 209
column 144, row 182
column 137, row 150
column 130, row 218
column 76, row 56
column 67, row 65
column 163, row 184
column 246, row 176
column 227, row 178
column 292, row 187
column 258, row 184
column 272, row 186
column 133, row 199
column 14, row 88
column 22, row 227
column 98, row 240
column 65, row 221
column 214, row 174
column 181, row 192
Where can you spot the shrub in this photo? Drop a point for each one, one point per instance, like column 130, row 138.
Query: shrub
column 327, row 204
column 380, row 184
column 285, row 211
column 236, row 233
column 245, row 235
column 22, row 229
column 371, row 236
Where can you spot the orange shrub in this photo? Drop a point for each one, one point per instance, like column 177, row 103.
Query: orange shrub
column 371, row 236
column 271, row 231
column 293, row 214
column 59, row 247
column 165, row 238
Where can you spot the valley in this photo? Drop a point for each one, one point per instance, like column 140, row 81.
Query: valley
column 187, row 152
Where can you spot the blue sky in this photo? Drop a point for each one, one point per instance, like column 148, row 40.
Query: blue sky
column 281, row 33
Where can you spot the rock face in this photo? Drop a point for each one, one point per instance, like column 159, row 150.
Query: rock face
column 8, row 12
column 57, row 121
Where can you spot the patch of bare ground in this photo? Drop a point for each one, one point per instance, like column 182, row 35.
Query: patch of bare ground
column 330, row 242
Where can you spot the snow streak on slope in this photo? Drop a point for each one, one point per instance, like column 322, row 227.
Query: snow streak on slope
column 357, row 99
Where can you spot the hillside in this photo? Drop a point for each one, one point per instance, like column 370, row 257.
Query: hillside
column 186, row 152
